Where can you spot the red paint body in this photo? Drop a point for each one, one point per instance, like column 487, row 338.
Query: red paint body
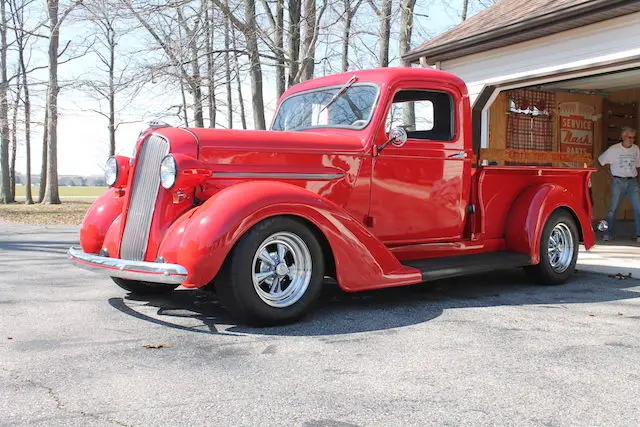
column 404, row 203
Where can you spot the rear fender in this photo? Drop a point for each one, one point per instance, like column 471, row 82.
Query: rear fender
column 99, row 217
column 532, row 209
column 203, row 237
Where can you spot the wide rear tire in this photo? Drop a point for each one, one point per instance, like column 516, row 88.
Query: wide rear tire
column 274, row 273
column 559, row 247
column 143, row 288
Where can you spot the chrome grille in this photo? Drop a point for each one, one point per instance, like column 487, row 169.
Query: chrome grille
column 144, row 192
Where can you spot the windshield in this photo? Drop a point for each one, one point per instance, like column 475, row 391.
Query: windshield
column 314, row 109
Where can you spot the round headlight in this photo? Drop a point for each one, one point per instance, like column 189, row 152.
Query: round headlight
column 168, row 171
column 111, row 171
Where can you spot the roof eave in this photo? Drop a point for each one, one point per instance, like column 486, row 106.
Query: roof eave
column 525, row 30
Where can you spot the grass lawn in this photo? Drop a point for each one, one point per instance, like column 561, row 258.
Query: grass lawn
column 65, row 191
column 70, row 212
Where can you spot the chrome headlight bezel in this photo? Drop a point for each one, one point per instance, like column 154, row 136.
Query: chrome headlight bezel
column 111, row 171
column 168, row 172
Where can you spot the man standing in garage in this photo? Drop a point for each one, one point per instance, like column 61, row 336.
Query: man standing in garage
column 623, row 159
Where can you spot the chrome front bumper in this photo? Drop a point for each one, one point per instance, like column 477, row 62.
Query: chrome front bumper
column 171, row 274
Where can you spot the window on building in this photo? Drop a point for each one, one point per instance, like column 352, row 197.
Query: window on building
column 530, row 121
column 423, row 114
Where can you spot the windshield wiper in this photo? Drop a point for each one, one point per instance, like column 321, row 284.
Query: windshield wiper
column 342, row 90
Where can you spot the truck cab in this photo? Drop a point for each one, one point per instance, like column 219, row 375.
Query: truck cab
column 369, row 177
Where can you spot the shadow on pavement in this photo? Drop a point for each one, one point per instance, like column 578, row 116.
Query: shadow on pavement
column 343, row 313
column 38, row 246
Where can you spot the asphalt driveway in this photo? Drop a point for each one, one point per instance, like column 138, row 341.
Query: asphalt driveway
column 493, row 349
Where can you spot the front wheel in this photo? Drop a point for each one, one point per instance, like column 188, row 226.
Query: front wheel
column 558, row 250
column 274, row 273
column 143, row 288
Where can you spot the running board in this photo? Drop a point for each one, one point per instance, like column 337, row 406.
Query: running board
column 462, row 265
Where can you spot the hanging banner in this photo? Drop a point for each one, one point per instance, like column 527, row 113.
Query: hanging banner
column 577, row 121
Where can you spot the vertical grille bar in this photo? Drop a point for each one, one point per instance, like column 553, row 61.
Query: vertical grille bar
column 144, row 193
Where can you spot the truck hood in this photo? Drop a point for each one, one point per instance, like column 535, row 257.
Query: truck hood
column 319, row 140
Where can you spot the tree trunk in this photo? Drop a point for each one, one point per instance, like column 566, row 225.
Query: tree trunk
column 406, row 28
column 17, row 13
column 280, row 74
column 14, row 139
column 385, row 32
column 51, row 195
column 5, row 179
column 348, row 17
column 196, row 89
column 308, row 42
column 28, row 198
column 112, row 91
column 236, row 64
column 465, row 9
column 184, row 104
column 227, row 73
column 45, row 139
column 255, row 70
column 294, row 40
column 209, row 43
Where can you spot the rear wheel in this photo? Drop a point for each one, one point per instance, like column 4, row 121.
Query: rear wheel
column 558, row 250
column 274, row 273
column 143, row 288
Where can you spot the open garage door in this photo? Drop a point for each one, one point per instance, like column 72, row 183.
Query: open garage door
column 570, row 117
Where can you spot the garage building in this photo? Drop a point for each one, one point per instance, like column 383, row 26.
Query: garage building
column 559, row 77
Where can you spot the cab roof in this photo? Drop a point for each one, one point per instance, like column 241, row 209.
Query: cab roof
column 381, row 77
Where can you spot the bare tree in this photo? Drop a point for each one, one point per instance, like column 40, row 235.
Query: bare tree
column 384, row 17
column 465, row 9
column 14, row 136
column 194, row 80
column 105, row 16
column 348, row 15
column 294, row 39
column 175, row 54
column 5, row 178
column 227, row 71
column 51, row 195
column 250, row 30
column 45, row 151
column 311, row 22
column 209, row 43
column 406, row 28
column 236, row 64
column 309, row 40
column 22, row 37
column 277, row 42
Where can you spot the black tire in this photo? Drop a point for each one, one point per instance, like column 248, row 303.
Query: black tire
column 544, row 272
column 143, row 288
column 235, row 287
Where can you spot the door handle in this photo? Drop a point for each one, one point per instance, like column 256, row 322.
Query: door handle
column 460, row 155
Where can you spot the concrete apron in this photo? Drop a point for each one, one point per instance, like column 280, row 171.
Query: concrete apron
column 618, row 256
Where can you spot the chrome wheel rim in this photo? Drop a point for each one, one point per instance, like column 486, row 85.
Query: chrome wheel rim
column 560, row 248
column 281, row 269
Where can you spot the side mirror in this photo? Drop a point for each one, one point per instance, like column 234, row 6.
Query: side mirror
column 397, row 137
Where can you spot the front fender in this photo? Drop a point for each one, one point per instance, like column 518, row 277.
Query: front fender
column 203, row 237
column 530, row 212
column 98, row 218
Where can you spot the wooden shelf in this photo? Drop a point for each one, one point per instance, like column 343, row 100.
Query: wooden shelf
column 615, row 116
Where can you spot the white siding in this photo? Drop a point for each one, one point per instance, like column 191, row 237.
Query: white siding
column 613, row 39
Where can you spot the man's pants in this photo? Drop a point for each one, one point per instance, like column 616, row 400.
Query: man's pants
column 620, row 188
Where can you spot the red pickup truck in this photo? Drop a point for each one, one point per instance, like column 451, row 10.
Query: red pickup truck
column 369, row 177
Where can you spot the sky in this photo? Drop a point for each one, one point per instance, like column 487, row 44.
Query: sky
column 82, row 133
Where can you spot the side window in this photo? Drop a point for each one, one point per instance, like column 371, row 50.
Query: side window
column 423, row 114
